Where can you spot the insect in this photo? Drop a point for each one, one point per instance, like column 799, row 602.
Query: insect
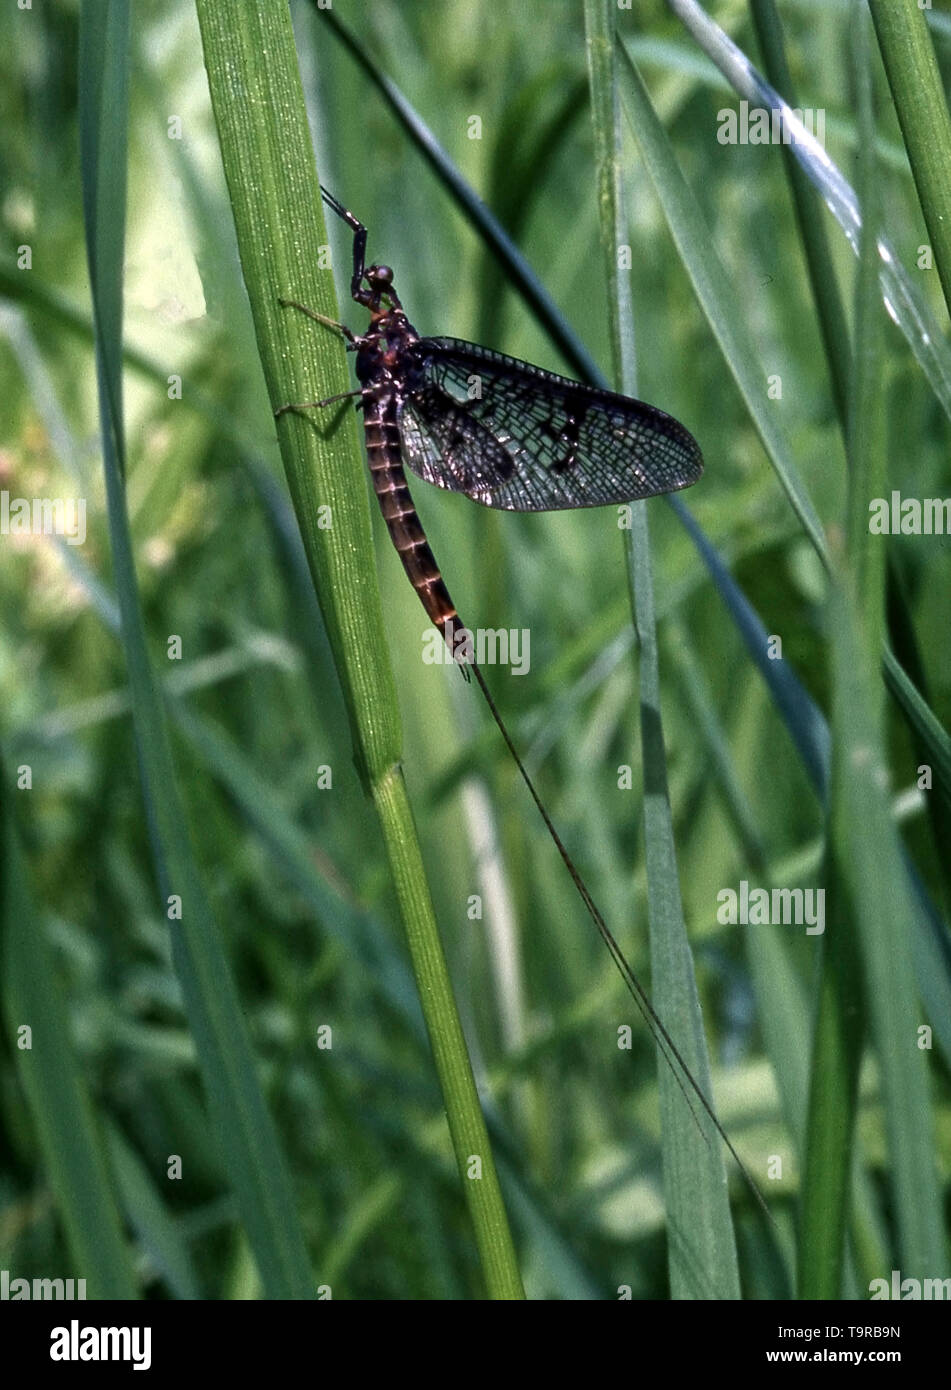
column 513, row 436
column 505, row 433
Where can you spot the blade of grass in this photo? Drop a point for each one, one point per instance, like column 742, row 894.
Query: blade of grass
column 870, row 847
column 822, row 280
column 834, row 1058
column 259, row 110
column 898, row 292
column 803, row 718
column 359, row 932
column 872, row 935
column 867, row 440
column 67, row 1133
column 918, row 94
column 840, row 1016
column 157, row 1230
column 809, row 216
column 701, row 1248
column 262, row 807
column 922, row 718
column 780, row 991
column 884, row 914
column 255, row 1165
column 714, row 291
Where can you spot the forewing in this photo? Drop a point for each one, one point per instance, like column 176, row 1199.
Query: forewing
column 513, row 436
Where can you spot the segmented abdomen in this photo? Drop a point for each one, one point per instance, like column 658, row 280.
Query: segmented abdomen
column 399, row 512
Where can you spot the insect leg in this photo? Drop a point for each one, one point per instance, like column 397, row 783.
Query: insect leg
column 320, row 318
column 316, row 405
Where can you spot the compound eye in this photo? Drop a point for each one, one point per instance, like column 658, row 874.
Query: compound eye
column 380, row 275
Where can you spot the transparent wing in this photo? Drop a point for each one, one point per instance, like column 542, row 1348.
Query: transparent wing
column 513, row 436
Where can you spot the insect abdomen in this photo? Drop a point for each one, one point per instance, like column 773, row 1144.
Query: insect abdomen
column 401, row 517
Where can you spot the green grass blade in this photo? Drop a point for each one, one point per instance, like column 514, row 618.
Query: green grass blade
column 899, row 294
column 918, row 93
column 867, row 447
column 865, row 840
column 701, row 1248
column 884, row 916
column 50, row 1073
column 802, row 716
column 835, row 1056
column 263, row 809
column 275, row 199
column 714, row 291
column 809, row 215
column 157, row 1231
column 872, row 915
column 255, row 1166
column 931, row 733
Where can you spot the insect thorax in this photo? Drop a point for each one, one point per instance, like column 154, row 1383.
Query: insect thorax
column 385, row 351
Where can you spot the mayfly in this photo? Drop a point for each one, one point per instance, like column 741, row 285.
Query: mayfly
column 513, row 436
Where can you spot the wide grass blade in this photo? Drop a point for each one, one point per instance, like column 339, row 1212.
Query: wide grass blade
column 275, row 197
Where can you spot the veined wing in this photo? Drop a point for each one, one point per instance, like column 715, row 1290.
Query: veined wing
column 513, row 436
